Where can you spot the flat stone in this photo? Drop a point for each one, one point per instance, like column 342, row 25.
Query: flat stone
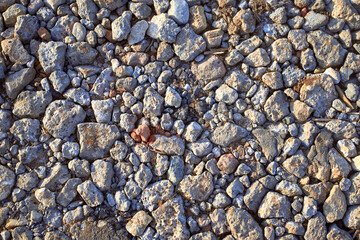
column 168, row 145
column 334, row 207
column 138, row 223
column 258, row 58
column 341, row 129
column 61, row 118
column 274, row 205
column 90, row 193
column 351, row 219
column 110, row 4
column 163, row 28
column 242, row 225
column 96, row 139
column 121, row 26
column 101, row 174
column 80, row 53
column 159, row 191
column 16, row 82
column 227, row 134
column 7, row 181
column 209, row 69
column 31, row 103
column 179, row 11
column 296, row 164
column 270, row 143
column 188, row 44
column 153, row 103
column 276, row 106
column 316, row 228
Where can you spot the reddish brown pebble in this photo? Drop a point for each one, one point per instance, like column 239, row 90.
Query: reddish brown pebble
column 44, row 33
column 303, row 12
column 227, row 163
column 135, row 137
column 167, row 134
column 144, row 132
column 112, row 93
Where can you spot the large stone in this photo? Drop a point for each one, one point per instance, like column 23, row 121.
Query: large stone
column 316, row 228
column 26, row 27
column 270, row 143
column 351, row 219
column 343, row 9
column 63, row 27
column 96, row 139
column 163, row 28
column 341, row 129
column 179, row 11
column 89, row 192
column 334, row 207
column 227, row 134
column 31, row 103
column 110, row 4
column 7, row 181
column 276, row 106
column 155, row 193
column 138, row 223
column 153, row 103
column 62, row 117
column 242, row 225
column 52, row 56
column 209, row 69
column 188, row 44
column 318, row 92
column 17, row 81
column 121, row 26
column 80, row 53
column 328, row 51
column 196, row 188
column 275, row 205
column 15, row 50
column 170, row 220
column 169, row 145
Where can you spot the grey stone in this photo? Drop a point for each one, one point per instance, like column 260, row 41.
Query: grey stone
column 334, row 207
column 87, row 9
column 59, row 80
column 26, row 27
column 274, row 205
column 159, row 191
column 6, row 120
column 140, row 10
column 153, row 103
column 15, row 82
column 26, row 129
column 242, row 225
column 168, row 145
column 121, row 26
column 96, row 139
column 45, row 197
column 297, row 37
column 336, row 233
column 276, row 106
column 316, row 228
column 110, row 4
column 197, row 188
column 127, row 121
column 138, row 31
column 179, row 11
column 52, row 56
column 258, row 58
column 68, row 192
column 288, row 189
column 328, row 51
column 11, row 14
column 273, row 80
column 143, row 176
column 201, row 147
column 7, row 181
column 227, row 134
column 341, row 129
column 33, row 156
column 78, row 95
column 163, row 28
column 80, row 53
column 90, row 193
column 138, row 223
column 122, row 202
column 80, row 168
column 31, row 103
column 209, row 69
column 270, row 143
column 314, row 21
column 61, row 118
column 281, row 50
column 57, row 175
column 352, row 195
column 351, row 219
column 307, row 60
column 188, row 44
column 161, row 6
column 292, row 75
column 101, row 174
column 74, row 216
column 172, row 98
column 170, row 220
column 176, row 169
column 296, row 164
column 102, row 110
column 226, row 94
column 63, row 27
column 27, row 181
column 249, row 45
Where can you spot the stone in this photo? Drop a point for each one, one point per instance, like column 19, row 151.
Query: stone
column 122, row 202
column 170, row 220
column 7, row 181
column 347, row 148
column 137, row 32
column 57, row 175
column 296, row 164
column 62, row 117
column 188, row 44
column 159, row 191
column 78, row 95
column 213, row 38
column 244, row 22
column 80, row 53
column 344, row 10
column 341, row 129
column 274, row 205
column 121, row 27
column 176, row 169
column 273, row 80
column 101, row 174
column 102, row 110
column 163, row 28
column 301, row 110
column 27, row 181
column 80, row 168
column 31, row 103
column 201, row 147
column 228, row 134
column 33, row 156
column 11, row 14
column 292, row 75
column 316, row 228
column 138, row 223
column 276, row 106
column 209, row 69
column 63, row 27
column 197, row 18
column 270, row 143
column 68, row 192
column 168, row 145
column 87, row 9
column 328, row 51
column 26, row 129
column 45, row 197
column 110, row 4
column 140, row 10
column 288, row 189
column 26, row 27
column 197, row 188
column 318, row 92
column 226, row 94
column 179, row 11
column 227, row 163
column 59, row 80
column 297, row 37
column 52, row 56
column 334, row 207
column 352, row 195
column 258, row 58
column 249, row 45
column 351, row 219
column 242, row 225
column 317, row 191
column 79, row 32
column 153, row 103
column 336, row 233
column 96, row 139
column 16, row 82
column 90, row 193
column 143, row 176
column 281, row 50
column 164, row 52
column 192, row 132
column 16, row 51
column 314, row 21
